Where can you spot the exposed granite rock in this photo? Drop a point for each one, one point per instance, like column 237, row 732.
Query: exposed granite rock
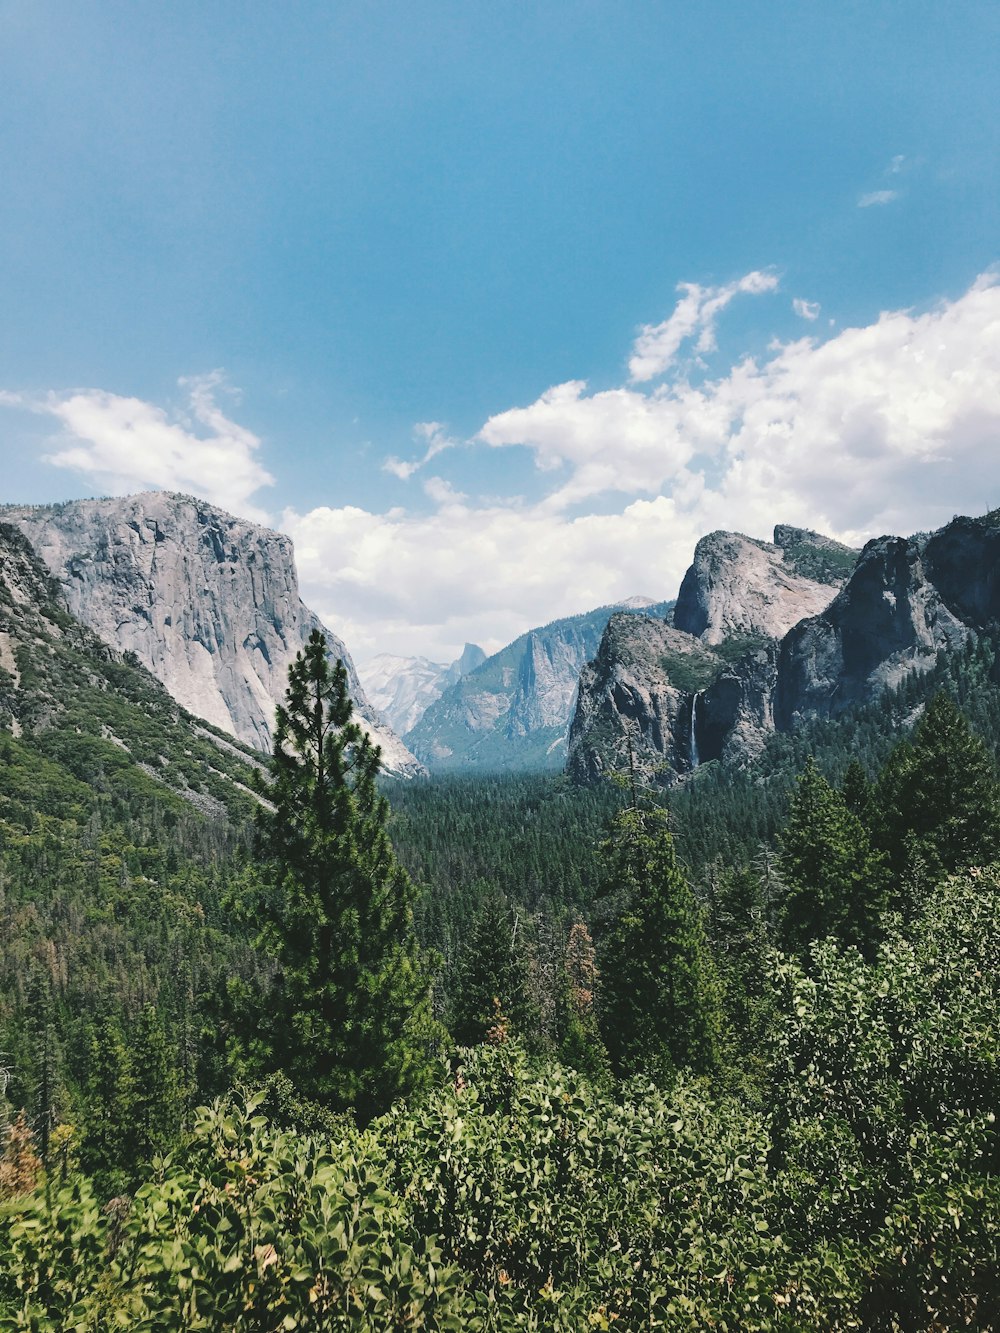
column 208, row 602
column 735, row 715
column 890, row 619
column 739, row 587
column 636, row 704
column 513, row 711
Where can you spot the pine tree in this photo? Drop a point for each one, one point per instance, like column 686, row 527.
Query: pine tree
column 835, row 882
column 348, row 1018
column 938, row 799
column 580, row 1044
column 491, row 970
column 660, row 1003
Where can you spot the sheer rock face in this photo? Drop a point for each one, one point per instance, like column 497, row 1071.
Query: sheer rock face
column 208, row 602
column 513, row 711
column 738, row 587
column 703, row 688
column 890, row 619
column 630, row 712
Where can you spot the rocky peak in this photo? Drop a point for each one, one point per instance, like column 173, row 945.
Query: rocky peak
column 207, row 601
column 741, row 588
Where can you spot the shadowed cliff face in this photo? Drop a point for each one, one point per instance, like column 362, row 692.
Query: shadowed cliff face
column 906, row 600
column 890, row 619
column 703, row 688
column 208, row 602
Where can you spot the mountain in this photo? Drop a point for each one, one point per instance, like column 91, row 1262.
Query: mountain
column 906, row 601
column 668, row 697
column 739, row 587
column 513, row 711
column 403, row 688
column 84, row 720
column 208, row 602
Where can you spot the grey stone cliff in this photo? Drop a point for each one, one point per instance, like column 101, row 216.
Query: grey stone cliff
column 403, row 688
column 890, row 619
column 513, row 710
column 208, row 602
column 703, row 688
column 737, row 586
column 906, row 600
column 636, row 705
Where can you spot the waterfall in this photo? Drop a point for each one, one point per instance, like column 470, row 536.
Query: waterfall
column 694, row 731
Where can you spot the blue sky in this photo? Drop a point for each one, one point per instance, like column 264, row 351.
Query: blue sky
column 282, row 254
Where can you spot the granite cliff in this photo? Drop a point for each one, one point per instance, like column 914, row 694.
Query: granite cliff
column 668, row 696
column 87, row 721
column 906, row 600
column 513, row 711
column 207, row 602
column 403, row 688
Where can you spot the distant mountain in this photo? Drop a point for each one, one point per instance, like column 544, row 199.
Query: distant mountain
column 669, row 697
column 208, row 602
column 403, row 688
column 513, row 711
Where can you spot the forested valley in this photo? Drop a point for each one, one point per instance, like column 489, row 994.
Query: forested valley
column 501, row 1052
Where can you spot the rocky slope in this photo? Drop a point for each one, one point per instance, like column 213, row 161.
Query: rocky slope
column 906, row 601
column 891, row 618
column 668, row 697
column 513, row 711
column 739, row 587
column 208, row 602
column 403, row 688
column 76, row 710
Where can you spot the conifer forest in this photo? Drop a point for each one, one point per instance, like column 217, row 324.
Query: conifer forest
column 504, row 1052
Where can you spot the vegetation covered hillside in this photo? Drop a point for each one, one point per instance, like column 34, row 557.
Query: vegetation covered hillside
column 510, row 1055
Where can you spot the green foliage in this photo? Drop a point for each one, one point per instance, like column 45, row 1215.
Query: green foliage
column 937, row 803
column 347, row 1014
column 659, row 1005
column 835, row 883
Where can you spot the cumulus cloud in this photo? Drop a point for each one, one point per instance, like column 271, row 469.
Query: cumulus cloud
column 124, row 444
column 890, row 427
column 875, row 198
column 694, row 317
column 806, row 309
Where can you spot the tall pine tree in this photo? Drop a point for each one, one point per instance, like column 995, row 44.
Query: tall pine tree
column 659, row 993
column 835, row 882
column 937, row 799
column 348, row 1017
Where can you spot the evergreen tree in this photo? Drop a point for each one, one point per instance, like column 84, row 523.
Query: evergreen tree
column 938, row 800
column 580, row 1044
column 835, row 883
column 348, row 1018
column 491, row 971
column 659, row 1001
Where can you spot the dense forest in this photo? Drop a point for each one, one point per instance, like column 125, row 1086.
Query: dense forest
column 499, row 1052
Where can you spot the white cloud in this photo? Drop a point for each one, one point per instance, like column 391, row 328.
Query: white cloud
column 890, row 427
column 435, row 439
column 806, row 309
column 656, row 348
column 896, row 165
column 125, row 444
column 875, row 198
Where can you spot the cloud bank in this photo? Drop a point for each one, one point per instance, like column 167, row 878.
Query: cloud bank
column 890, row 427
column 124, row 444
